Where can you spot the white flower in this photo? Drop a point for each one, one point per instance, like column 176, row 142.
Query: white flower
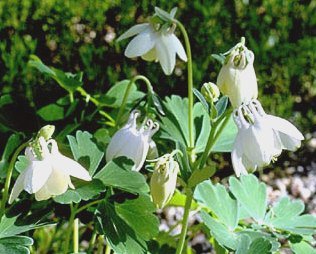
column 237, row 77
column 48, row 176
column 210, row 91
column 154, row 42
column 261, row 138
column 164, row 179
column 132, row 142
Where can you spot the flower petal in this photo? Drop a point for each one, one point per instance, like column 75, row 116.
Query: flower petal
column 236, row 156
column 166, row 53
column 42, row 194
column 70, row 167
column 284, row 126
column 37, row 174
column 57, row 183
column 141, row 44
column 133, row 31
column 18, row 187
column 179, row 48
column 151, row 55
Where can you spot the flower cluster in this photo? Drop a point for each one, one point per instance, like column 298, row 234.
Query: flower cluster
column 261, row 137
column 48, row 173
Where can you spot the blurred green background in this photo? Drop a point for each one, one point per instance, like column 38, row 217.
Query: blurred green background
column 78, row 36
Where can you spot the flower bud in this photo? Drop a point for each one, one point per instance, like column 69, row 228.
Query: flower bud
column 132, row 142
column 237, row 77
column 210, row 91
column 46, row 132
column 164, row 179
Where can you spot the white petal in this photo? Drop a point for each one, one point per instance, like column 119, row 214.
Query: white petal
column 36, row 175
column 133, row 31
column 42, row 194
column 18, row 187
column 166, row 53
column 236, row 156
column 57, row 183
column 70, row 167
column 141, row 44
column 284, row 126
column 289, row 142
column 151, row 55
column 179, row 48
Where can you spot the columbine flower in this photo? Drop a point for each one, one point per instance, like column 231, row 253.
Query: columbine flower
column 155, row 42
column 261, row 137
column 237, row 77
column 132, row 142
column 164, row 179
column 49, row 175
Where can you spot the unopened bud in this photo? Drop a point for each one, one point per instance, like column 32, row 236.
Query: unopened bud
column 164, row 179
column 46, row 132
column 210, row 91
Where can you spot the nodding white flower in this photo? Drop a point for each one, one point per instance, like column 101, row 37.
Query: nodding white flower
column 237, row 77
column 164, row 179
column 49, row 175
column 132, row 142
column 155, row 42
column 261, row 138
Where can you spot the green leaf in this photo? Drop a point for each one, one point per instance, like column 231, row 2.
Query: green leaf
column 286, row 215
column 11, row 226
column 51, row 112
column 22, row 163
column 83, row 191
column 202, row 127
column 221, row 105
column 13, row 249
column 260, row 245
column 200, row 175
column 227, row 138
column 217, row 199
column 117, row 173
column 302, row 248
column 66, row 80
column 127, row 226
column 13, row 142
column 157, row 103
column 83, row 146
column 114, row 96
column 22, row 240
column 251, row 194
column 178, row 199
column 201, row 99
column 222, row 234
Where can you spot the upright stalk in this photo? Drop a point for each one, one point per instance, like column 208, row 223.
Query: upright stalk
column 185, row 221
column 76, row 236
column 70, row 227
column 9, row 176
column 190, row 82
column 126, row 94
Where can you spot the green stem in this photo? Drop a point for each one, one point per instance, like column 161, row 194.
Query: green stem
column 87, row 205
column 70, row 227
column 188, row 201
column 76, row 235
column 92, row 241
column 88, row 96
column 214, row 135
column 126, row 94
column 108, row 249
column 9, row 176
column 190, row 82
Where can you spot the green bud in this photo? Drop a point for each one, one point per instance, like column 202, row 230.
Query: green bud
column 46, row 132
column 164, row 179
column 210, row 91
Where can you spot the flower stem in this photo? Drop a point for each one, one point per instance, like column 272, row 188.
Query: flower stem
column 214, row 135
column 126, row 94
column 70, row 227
column 108, row 249
column 76, row 236
column 188, row 201
column 9, row 176
column 190, row 82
